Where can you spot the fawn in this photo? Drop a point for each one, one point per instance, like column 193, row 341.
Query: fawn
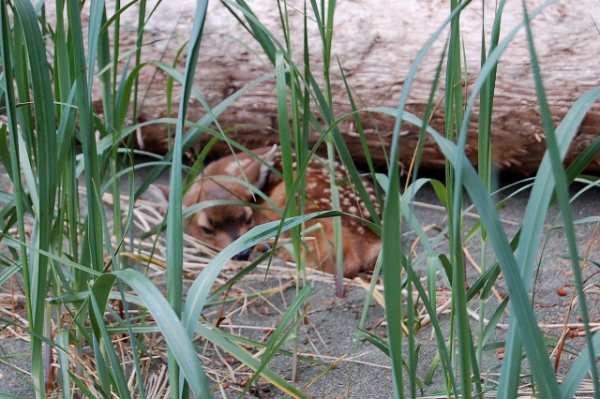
column 220, row 225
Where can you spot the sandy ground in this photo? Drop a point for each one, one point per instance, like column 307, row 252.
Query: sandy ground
column 328, row 331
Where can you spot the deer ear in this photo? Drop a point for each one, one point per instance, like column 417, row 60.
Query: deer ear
column 257, row 172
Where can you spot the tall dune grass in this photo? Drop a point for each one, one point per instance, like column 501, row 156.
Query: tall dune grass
column 69, row 265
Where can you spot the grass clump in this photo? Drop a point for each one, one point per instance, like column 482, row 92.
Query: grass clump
column 84, row 292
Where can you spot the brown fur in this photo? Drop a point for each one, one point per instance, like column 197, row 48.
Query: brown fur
column 220, row 225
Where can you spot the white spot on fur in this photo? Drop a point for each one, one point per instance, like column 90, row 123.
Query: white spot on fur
column 353, row 210
column 311, row 186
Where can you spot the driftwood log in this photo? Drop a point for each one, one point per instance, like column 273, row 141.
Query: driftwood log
column 376, row 43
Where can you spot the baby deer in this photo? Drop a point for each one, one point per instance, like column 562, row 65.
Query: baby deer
column 220, row 225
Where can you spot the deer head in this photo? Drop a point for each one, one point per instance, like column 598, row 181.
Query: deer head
column 227, row 179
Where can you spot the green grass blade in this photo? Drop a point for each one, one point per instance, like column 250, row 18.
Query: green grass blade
column 579, row 369
column 193, row 134
column 175, row 220
column 563, row 197
column 180, row 346
column 62, row 75
column 200, row 290
column 346, row 159
column 100, row 291
column 62, row 340
column 484, row 151
column 290, row 320
column 287, row 153
column 487, row 69
column 103, row 380
column 531, row 230
column 88, row 141
column 392, row 279
column 46, row 179
column 174, row 217
column 13, row 167
column 257, row 29
column 527, row 326
column 219, row 340
column 95, row 40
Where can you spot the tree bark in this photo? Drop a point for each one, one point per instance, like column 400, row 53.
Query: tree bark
column 376, row 44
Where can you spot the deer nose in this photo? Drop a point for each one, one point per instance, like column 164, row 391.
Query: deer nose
column 243, row 255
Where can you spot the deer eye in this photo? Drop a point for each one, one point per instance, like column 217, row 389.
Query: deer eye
column 249, row 216
column 207, row 231
column 206, row 225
